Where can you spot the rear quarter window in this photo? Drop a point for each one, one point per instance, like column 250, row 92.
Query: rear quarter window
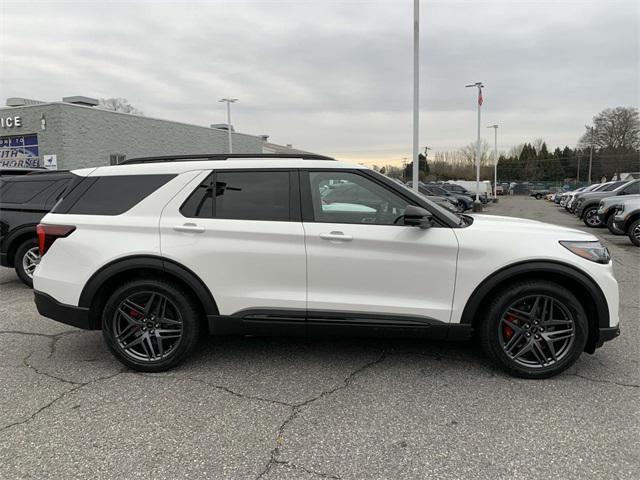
column 109, row 195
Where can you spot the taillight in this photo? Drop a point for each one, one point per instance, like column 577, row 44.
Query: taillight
column 47, row 234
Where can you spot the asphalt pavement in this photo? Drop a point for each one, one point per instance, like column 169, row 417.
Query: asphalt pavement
column 282, row 408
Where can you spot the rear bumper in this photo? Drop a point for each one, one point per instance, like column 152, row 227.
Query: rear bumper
column 75, row 316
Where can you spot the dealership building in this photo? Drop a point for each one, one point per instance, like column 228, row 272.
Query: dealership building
column 76, row 133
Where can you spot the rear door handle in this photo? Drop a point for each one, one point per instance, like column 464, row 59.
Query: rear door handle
column 189, row 228
column 336, row 237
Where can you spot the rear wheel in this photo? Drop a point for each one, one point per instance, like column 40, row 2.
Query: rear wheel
column 634, row 233
column 611, row 225
column 534, row 329
column 150, row 325
column 26, row 260
column 590, row 217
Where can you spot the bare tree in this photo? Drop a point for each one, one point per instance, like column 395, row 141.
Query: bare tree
column 468, row 153
column 613, row 129
column 118, row 105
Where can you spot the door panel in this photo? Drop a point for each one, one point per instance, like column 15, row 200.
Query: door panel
column 361, row 259
column 247, row 264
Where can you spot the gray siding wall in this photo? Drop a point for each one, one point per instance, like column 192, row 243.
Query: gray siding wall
column 87, row 136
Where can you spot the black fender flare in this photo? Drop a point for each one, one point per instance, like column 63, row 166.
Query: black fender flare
column 537, row 267
column 148, row 262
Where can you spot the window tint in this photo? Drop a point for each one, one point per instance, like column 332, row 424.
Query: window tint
column 344, row 197
column 246, row 195
column 632, row 189
column 22, row 191
column 114, row 195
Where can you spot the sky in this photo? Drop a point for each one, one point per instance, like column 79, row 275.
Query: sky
column 335, row 76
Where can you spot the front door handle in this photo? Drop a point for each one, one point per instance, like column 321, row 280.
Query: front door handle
column 189, row 228
column 336, row 237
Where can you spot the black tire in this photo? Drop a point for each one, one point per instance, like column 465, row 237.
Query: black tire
column 634, row 232
column 590, row 217
column 23, row 261
column 538, row 196
column 611, row 226
column 179, row 305
column 493, row 330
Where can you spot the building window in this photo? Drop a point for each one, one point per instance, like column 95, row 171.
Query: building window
column 19, row 151
column 116, row 158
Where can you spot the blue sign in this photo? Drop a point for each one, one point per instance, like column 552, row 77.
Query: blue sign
column 19, row 151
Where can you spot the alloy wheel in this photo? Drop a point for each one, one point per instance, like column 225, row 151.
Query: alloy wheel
column 592, row 219
column 636, row 232
column 537, row 331
column 30, row 261
column 147, row 326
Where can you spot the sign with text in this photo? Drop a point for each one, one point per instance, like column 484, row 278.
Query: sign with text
column 19, row 151
column 50, row 162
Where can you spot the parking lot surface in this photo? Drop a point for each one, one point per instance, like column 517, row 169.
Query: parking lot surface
column 281, row 408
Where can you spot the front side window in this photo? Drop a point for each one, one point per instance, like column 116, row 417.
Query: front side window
column 246, row 195
column 345, row 197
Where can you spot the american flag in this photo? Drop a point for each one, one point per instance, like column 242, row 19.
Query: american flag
column 480, row 96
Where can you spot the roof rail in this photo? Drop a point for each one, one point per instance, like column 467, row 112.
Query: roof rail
column 222, row 156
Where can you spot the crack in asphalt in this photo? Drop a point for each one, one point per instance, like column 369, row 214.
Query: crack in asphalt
column 596, row 380
column 76, row 387
column 297, row 408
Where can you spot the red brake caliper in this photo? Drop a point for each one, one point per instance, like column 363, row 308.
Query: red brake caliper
column 507, row 331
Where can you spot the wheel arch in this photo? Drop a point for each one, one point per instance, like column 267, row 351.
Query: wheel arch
column 17, row 238
column 578, row 282
column 97, row 289
column 632, row 218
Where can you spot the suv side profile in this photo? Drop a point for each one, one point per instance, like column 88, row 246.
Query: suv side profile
column 587, row 204
column 156, row 252
column 24, row 200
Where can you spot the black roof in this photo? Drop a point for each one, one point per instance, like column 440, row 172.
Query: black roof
column 222, row 156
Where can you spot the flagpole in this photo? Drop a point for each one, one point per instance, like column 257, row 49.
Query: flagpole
column 477, row 205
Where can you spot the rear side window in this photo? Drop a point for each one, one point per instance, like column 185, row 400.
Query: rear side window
column 246, row 195
column 20, row 191
column 111, row 195
column 632, row 189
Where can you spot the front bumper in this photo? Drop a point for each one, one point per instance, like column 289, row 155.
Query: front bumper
column 75, row 316
column 606, row 334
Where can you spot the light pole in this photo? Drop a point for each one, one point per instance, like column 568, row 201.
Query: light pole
column 416, row 90
column 495, row 161
column 590, row 155
column 229, row 101
column 477, row 206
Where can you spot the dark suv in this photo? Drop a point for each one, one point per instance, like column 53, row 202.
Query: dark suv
column 24, row 200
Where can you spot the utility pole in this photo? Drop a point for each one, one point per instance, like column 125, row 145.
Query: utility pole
column 416, row 90
column 477, row 206
column 426, row 161
column 590, row 155
column 229, row 101
column 495, row 161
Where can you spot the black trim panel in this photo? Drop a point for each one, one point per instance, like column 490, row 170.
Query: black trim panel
column 606, row 334
column 49, row 307
column 3, row 260
column 504, row 274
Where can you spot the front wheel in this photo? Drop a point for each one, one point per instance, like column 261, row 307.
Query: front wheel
column 150, row 325
column 612, row 227
column 634, row 233
column 534, row 329
column 590, row 217
column 26, row 260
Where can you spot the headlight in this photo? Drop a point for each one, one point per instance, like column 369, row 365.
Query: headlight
column 594, row 251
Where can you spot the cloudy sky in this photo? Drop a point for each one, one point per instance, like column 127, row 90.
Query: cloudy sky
column 335, row 76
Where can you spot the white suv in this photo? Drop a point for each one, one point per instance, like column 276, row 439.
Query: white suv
column 157, row 251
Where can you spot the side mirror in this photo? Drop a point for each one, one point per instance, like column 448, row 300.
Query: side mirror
column 417, row 217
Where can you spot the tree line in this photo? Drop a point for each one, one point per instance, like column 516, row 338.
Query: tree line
column 612, row 142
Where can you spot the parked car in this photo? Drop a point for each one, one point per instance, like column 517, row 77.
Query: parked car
column 607, row 209
column 16, row 171
column 24, row 200
column 570, row 203
column 465, row 201
column 458, row 188
column 427, row 191
column 499, row 190
column 157, row 251
column 538, row 194
column 586, row 207
column 627, row 219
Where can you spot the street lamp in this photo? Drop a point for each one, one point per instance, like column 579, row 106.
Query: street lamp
column 495, row 162
column 477, row 206
column 229, row 101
